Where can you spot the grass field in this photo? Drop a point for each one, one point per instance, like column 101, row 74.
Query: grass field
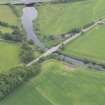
column 6, row 15
column 6, row 30
column 89, row 46
column 61, row 84
column 55, row 19
column 9, row 55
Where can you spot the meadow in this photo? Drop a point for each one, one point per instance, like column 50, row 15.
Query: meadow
column 9, row 55
column 61, row 84
column 56, row 19
column 89, row 45
column 7, row 15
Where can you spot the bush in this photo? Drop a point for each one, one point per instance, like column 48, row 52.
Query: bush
column 75, row 30
column 88, row 25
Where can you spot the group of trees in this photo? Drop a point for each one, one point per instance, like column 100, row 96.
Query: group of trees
column 26, row 53
column 88, row 24
column 16, row 35
column 15, row 77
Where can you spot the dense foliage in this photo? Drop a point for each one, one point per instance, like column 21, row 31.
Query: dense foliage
column 26, row 53
column 15, row 77
column 16, row 35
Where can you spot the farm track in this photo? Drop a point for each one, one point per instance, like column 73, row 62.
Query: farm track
column 56, row 48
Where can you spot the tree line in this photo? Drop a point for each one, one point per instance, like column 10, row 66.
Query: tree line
column 26, row 52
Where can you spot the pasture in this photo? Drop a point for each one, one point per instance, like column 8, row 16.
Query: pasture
column 7, row 15
column 9, row 55
column 61, row 84
column 89, row 45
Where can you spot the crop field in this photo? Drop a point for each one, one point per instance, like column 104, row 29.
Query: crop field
column 56, row 19
column 9, row 55
column 61, row 84
column 89, row 46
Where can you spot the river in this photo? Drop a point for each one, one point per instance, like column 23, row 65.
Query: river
column 29, row 15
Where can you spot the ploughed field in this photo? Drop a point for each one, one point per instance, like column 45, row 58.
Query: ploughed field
column 61, row 84
column 56, row 19
column 90, row 45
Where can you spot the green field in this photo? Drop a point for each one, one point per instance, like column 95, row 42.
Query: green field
column 9, row 55
column 61, row 84
column 6, row 15
column 6, row 30
column 89, row 46
column 55, row 19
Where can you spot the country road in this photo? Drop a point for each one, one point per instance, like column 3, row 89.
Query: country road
column 56, row 48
